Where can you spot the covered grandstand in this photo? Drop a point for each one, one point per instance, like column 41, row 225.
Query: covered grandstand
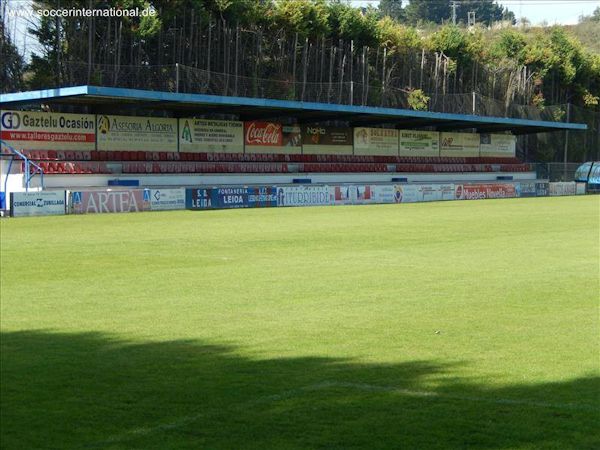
column 92, row 136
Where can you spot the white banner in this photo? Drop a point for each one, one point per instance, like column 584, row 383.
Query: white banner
column 351, row 194
column 46, row 203
column 384, row 193
column 459, row 144
column 303, row 195
column 375, row 141
column 501, row 145
column 435, row 192
column 48, row 131
column 137, row 133
column 563, row 188
column 419, row 143
column 407, row 193
column 220, row 136
column 166, row 199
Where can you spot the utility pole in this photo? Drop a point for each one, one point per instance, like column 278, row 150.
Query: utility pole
column 454, row 4
column 471, row 16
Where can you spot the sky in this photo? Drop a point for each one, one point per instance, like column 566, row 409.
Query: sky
column 564, row 12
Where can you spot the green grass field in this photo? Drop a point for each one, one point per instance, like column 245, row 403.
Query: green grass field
column 443, row 325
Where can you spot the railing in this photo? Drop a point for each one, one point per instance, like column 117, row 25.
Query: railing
column 31, row 168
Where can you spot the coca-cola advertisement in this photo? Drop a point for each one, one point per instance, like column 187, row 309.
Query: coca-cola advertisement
column 271, row 137
column 263, row 134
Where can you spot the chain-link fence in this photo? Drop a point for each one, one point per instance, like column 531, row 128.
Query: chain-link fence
column 556, row 171
column 185, row 79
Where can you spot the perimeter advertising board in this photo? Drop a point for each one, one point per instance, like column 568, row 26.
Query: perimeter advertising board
column 484, row 191
column 435, row 192
column 48, row 131
column 136, row 133
column 166, row 199
column 211, row 136
column 351, row 195
column 303, row 196
column 319, row 139
column 231, row 197
column 500, row 145
column 562, row 188
column 526, row 189
column 135, row 200
column 272, row 137
column 47, row 203
column 376, row 141
column 419, row 143
column 542, row 189
column 459, row 144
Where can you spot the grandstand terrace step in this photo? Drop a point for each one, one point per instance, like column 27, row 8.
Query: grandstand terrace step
column 106, row 162
column 124, row 155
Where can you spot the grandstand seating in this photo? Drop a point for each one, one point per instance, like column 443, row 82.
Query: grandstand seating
column 99, row 162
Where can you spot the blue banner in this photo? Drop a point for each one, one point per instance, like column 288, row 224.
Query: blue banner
column 526, row 189
column 262, row 197
column 231, row 197
column 542, row 189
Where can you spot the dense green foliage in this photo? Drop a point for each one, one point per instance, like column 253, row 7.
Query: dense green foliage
column 446, row 325
column 564, row 70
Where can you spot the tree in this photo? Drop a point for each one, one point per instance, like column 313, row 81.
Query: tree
column 11, row 68
column 486, row 11
column 392, row 8
column 427, row 11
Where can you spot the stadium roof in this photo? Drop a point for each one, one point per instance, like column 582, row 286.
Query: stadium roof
column 107, row 99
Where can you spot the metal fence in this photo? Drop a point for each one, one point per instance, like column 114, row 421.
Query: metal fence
column 556, row 171
column 185, row 79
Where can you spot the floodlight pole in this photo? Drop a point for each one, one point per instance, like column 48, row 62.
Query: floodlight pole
column 566, row 151
column 177, row 77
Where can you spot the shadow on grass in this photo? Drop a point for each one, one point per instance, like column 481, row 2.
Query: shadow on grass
column 94, row 391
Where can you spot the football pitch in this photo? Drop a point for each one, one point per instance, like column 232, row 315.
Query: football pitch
column 470, row 324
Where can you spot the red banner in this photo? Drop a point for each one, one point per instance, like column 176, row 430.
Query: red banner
column 263, row 133
column 484, row 191
column 47, row 136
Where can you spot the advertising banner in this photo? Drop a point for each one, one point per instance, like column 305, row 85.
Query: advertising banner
column 46, row 203
column 459, row 144
column 407, row 193
column 262, row 197
column 484, row 191
column 199, row 199
column 326, row 140
column 231, row 197
column 211, row 136
column 501, row 145
column 419, row 143
column 526, row 189
column 580, row 188
column 271, row 137
column 83, row 202
column 542, row 189
column 563, row 188
column 376, row 141
column 166, row 199
column 435, row 192
column 384, row 193
column 48, row 131
column 303, row 195
column 137, row 133
column 351, row 195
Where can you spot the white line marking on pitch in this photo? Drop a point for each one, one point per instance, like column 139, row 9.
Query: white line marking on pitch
column 144, row 431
